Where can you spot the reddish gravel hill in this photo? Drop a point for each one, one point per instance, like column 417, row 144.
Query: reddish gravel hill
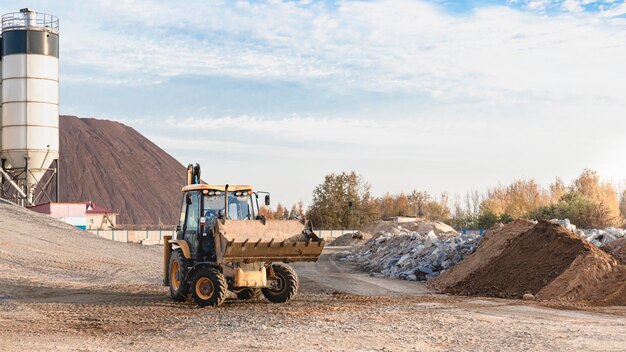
column 117, row 168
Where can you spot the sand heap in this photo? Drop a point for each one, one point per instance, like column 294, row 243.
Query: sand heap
column 545, row 260
column 117, row 168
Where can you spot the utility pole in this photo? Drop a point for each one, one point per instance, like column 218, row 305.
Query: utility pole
column 350, row 209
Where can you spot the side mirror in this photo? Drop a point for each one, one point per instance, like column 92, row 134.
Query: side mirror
column 177, row 228
column 267, row 199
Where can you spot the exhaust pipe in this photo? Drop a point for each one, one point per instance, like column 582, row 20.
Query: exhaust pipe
column 226, row 202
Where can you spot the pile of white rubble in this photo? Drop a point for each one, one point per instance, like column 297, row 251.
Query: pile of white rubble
column 598, row 237
column 411, row 255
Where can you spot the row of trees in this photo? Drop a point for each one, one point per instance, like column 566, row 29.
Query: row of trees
column 345, row 201
column 587, row 201
column 281, row 212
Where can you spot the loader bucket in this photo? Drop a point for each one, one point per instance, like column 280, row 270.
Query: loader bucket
column 266, row 240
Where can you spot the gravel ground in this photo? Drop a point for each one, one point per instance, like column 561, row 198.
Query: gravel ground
column 61, row 289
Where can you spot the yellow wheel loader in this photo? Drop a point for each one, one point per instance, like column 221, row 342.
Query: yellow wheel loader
column 222, row 243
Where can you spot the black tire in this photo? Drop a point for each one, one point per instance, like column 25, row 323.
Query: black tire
column 208, row 287
column 178, row 268
column 249, row 293
column 287, row 284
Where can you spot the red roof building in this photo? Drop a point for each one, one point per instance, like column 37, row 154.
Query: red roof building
column 86, row 215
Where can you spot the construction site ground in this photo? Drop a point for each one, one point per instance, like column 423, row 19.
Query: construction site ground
column 64, row 289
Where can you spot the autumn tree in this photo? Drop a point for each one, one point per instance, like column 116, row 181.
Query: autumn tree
column 602, row 196
column 386, row 206
column 279, row 214
column 301, row 209
column 472, row 202
column 402, row 207
column 331, row 199
column 557, row 190
column 267, row 212
column 515, row 200
column 588, row 203
column 458, row 215
column 418, row 201
column 438, row 211
column 293, row 213
column 622, row 204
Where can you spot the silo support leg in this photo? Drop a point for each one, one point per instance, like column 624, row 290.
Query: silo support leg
column 12, row 183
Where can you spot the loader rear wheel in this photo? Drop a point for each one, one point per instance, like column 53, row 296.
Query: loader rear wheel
column 179, row 288
column 284, row 287
column 209, row 287
column 249, row 293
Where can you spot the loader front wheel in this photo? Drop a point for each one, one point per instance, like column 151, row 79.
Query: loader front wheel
column 179, row 266
column 284, row 287
column 248, row 293
column 209, row 287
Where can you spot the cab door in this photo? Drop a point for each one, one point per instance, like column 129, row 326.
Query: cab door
column 191, row 225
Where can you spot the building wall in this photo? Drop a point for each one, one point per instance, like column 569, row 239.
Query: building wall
column 143, row 237
column 67, row 210
column 76, row 214
column 96, row 221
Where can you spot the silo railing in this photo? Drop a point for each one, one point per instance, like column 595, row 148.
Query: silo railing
column 19, row 20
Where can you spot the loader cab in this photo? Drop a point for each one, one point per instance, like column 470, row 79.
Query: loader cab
column 203, row 205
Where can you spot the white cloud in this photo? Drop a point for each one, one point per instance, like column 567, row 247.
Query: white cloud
column 495, row 54
column 573, row 6
column 537, row 4
column 618, row 9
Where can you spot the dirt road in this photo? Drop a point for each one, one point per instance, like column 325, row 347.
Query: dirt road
column 65, row 290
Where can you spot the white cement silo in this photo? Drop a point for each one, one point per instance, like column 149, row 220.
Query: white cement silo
column 30, row 97
column 1, row 176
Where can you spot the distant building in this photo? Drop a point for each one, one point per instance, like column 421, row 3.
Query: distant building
column 85, row 216
column 99, row 219
column 71, row 213
column 401, row 219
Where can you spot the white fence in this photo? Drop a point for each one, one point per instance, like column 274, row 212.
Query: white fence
column 147, row 237
column 330, row 235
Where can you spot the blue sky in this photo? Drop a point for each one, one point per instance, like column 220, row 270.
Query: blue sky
column 433, row 95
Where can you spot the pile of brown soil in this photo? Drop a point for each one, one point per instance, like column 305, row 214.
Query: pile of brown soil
column 545, row 260
column 595, row 278
column 491, row 245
